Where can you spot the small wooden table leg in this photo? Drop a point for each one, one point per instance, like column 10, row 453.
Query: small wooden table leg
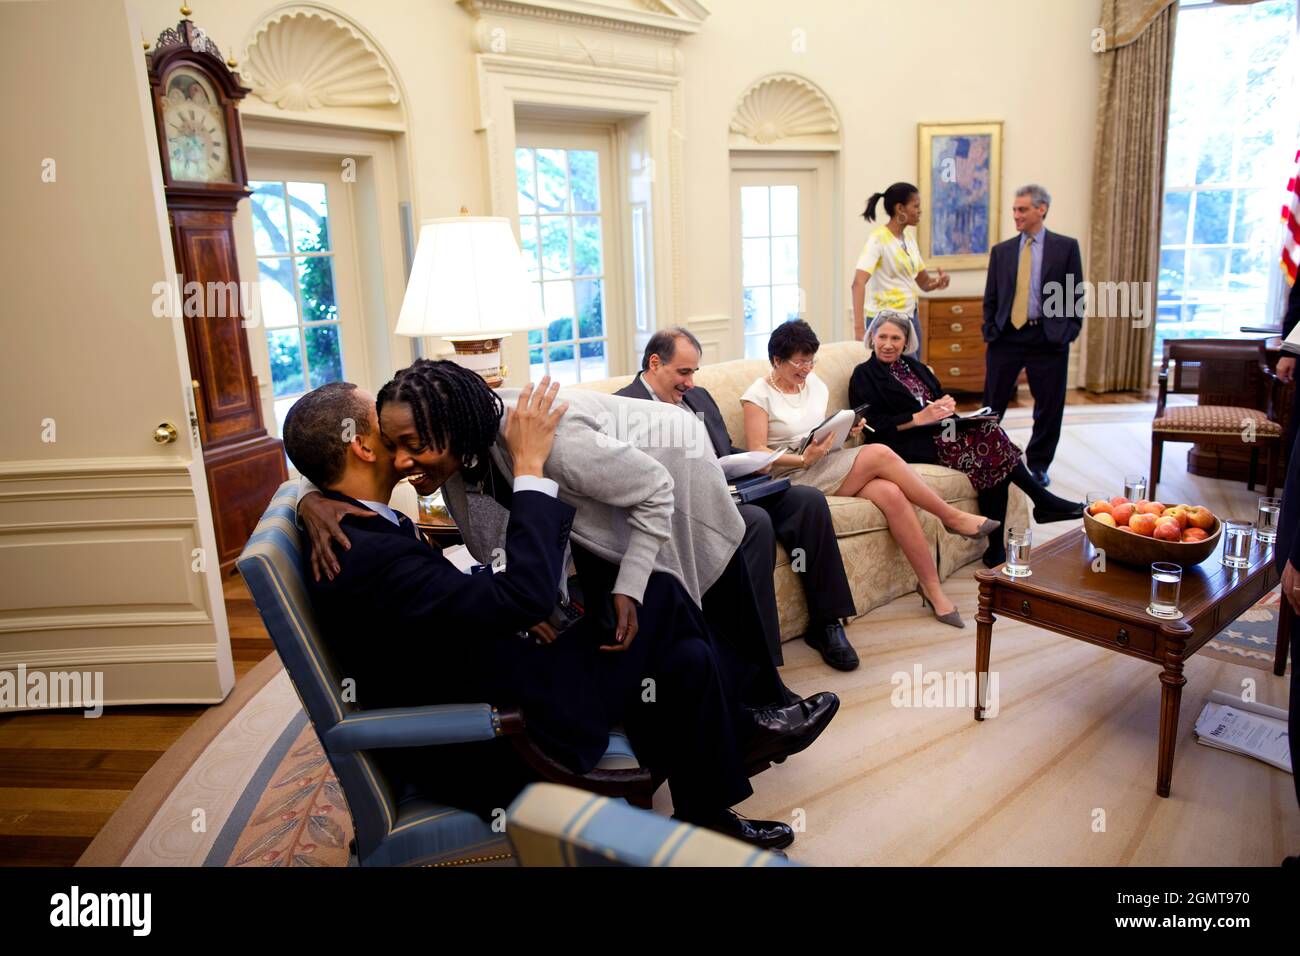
column 983, row 643
column 1284, row 619
column 1171, row 697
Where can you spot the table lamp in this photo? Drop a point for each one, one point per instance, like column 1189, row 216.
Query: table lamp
column 468, row 285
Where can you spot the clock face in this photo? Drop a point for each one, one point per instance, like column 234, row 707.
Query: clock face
column 194, row 124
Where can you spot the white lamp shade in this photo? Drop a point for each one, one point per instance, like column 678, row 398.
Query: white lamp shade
column 468, row 278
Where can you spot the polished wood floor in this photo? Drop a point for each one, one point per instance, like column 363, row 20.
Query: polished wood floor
column 62, row 776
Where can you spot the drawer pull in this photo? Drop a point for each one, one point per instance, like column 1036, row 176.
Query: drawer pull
column 1024, row 608
column 954, row 371
column 1122, row 638
column 957, row 310
column 955, row 347
column 956, row 326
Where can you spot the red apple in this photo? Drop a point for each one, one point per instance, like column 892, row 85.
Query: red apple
column 1106, row 519
column 1195, row 534
column 1123, row 512
column 1168, row 530
column 1119, row 500
column 1199, row 517
column 1178, row 513
column 1143, row 524
column 1150, row 508
column 1099, row 507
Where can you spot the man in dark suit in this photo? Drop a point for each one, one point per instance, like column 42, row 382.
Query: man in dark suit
column 411, row 629
column 799, row 517
column 1033, row 310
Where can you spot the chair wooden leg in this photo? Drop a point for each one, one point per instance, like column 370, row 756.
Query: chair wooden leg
column 1157, row 454
column 1254, row 467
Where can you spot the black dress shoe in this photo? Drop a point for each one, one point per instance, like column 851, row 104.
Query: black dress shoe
column 1040, row 477
column 833, row 645
column 1048, row 515
column 780, row 732
column 765, row 834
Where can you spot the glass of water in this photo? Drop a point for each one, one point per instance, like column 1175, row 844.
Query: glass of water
column 1266, row 520
column 1135, row 487
column 1236, row 543
column 1166, row 581
column 1018, row 543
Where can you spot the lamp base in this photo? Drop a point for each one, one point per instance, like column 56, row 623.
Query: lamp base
column 481, row 354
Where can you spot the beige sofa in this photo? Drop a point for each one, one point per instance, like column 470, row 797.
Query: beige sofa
column 878, row 571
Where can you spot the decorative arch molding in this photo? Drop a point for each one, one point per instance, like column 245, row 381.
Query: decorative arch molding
column 304, row 57
column 785, row 111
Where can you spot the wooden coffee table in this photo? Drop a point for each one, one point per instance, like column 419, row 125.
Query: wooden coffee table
column 1108, row 609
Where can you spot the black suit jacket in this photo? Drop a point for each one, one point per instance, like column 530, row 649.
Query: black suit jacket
column 1062, row 294
column 891, row 405
column 699, row 401
column 411, row 629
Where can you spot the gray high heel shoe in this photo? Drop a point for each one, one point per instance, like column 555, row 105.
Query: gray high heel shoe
column 983, row 531
column 952, row 618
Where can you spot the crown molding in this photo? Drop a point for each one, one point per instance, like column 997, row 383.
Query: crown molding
column 667, row 19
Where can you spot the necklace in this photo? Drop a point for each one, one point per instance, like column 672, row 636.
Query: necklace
column 801, row 391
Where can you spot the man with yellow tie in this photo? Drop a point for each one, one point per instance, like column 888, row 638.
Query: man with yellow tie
column 1033, row 310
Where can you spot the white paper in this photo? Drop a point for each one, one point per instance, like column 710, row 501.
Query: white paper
column 1233, row 728
column 839, row 425
column 978, row 413
column 747, row 462
column 459, row 555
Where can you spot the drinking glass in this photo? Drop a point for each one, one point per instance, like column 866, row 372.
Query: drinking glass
column 1166, row 581
column 1236, row 543
column 1135, row 487
column 1018, row 544
column 1266, row 520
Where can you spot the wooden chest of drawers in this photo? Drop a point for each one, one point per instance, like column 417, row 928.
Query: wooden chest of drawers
column 951, row 342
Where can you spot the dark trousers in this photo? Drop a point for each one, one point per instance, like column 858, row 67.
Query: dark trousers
column 731, row 613
column 801, row 520
column 1047, row 365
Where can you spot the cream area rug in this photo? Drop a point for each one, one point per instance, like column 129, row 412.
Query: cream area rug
column 1063, row 775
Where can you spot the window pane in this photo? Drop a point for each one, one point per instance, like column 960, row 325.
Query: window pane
column 755, row 346
column 1210, row 216
column 286, row 362
column 1216, row 158
column 555, row 246
column 594, row 364
column 525, row 182
column 785, row 210
column 785, row 259
column 755, row 262
column 552, row 182
column 1249, row 272
column 308, row 212
column 1171, row 274
column 785, row 303
column 270, row 229
column 590, row 308
column 324, row 360
column 564, row 367
column 1173, row 223
column 586, row 246
column 316, row 277
column 584, row 180
column 275, row 292
column 1206, row 270
column 528, row 244
column 558, row 299
column 753, row 211
column 758, row 309
column 1252, row 209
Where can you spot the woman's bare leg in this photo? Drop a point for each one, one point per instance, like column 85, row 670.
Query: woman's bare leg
column 881, row 461
column 906, row 530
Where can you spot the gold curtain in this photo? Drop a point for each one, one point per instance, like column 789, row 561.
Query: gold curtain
column 1128, row 184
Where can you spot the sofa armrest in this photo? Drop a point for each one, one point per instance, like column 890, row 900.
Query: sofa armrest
column 417, row 727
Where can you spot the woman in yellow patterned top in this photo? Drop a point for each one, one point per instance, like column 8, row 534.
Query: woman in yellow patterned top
column 891, row 272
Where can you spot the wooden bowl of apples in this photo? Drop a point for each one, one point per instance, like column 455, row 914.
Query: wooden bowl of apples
column 1140, row 532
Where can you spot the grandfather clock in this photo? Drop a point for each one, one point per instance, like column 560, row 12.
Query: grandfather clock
column 195, row 100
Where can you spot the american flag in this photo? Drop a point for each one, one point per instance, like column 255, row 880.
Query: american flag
column 1291, row 216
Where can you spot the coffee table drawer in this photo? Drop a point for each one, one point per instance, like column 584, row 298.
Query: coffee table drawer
column 1076, row 622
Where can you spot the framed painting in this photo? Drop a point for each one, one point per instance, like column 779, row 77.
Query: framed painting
column 961, row 197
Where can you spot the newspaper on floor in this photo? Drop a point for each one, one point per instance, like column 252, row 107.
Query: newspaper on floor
column 1256, row 730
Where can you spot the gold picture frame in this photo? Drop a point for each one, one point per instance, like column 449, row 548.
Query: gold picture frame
column 959, row 169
